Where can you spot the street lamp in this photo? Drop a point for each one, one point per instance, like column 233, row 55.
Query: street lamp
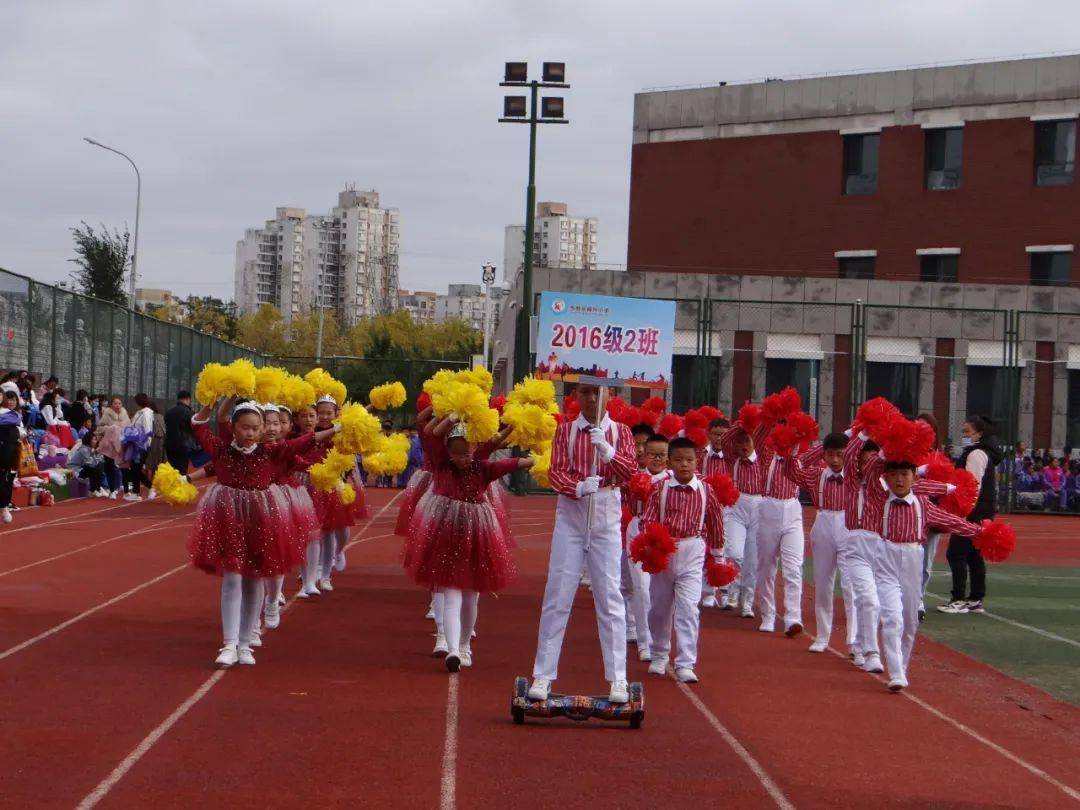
column 488, row 276
column 138, row 205
column 531, row 111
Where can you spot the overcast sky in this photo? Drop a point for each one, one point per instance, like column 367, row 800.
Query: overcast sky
column 234, row 108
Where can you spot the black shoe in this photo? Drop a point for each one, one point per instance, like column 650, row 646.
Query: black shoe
column 922, row 615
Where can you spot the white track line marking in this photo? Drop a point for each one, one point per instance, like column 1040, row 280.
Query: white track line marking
column 1037, row 630
column 154, row 737
column 65, row 519
column 150, row 528
column 448, row 784
column 770, row 786
column 1009, row 755
column 87, row 613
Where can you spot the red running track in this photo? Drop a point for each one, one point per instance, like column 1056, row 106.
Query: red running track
column 110, row 699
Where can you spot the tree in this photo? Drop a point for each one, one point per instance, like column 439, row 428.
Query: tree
column 264, row 330
column 102, row 259
column 210, row 315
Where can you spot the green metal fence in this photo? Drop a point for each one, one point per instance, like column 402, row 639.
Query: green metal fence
column 98, row 346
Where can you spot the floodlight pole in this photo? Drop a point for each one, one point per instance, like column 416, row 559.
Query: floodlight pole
column 524, row 331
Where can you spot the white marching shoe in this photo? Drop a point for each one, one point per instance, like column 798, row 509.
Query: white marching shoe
column 686, row 675
column 440, row 647
column 643, row 654
column 897, row 684
column 325, row 584
column 873, row 664
column 466, row 657
column 540, row 689
column 245, row 656
column 226, row 656
column 658, row 666
column 819, row 646
column 620, row 692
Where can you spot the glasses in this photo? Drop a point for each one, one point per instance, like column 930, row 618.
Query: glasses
column 656, row 456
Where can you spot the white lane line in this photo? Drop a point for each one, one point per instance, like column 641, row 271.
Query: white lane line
column 118, row 773
column 993, row 746
column 80, row 549
column 1037, row 630
column 143, row 748
column 767, row 782
column 65, row 519
column 448, row 785
column 87, row 613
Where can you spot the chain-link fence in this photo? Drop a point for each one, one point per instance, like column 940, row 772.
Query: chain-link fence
column 98, row 346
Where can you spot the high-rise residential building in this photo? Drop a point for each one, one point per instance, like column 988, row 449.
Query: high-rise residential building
column 463, row 301
column 347, row 259
column 560, row 240
column 420, row 304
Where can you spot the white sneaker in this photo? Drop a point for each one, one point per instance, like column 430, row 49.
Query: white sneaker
column 709, row 601
column 440, row 647
column 747, row 612
column 256, row 638
column 658, row 666
column 152, row 495
column 282, row 601
column 858, row 659
column 643, row 654
column 731, row 600
column 131, row 496
column 430, row 611
column 6, row 516
column 620, row 692
column 325, row 585
column 272, row 615
column 766, row 627
column 540, row 689
column 114, row 495
column 101, row 493
column 896, row 684
column 339, row 561
column 686, row 675
column 466, row 657
column 819, row 646
column 245, row 656
column 873, row 664
column 953, row 607
column 226, row 656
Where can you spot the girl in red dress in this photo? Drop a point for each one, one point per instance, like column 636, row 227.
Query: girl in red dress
column 241, row 530
column 457, row 544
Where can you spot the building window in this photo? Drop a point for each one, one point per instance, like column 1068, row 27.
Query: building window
column 986, row 392
column 897, row 382
column 1055, row 152
column 861, row 163
column 943, row 268
column 855, row 266
column 943, row 150
column 802, row 375
column 1072, row 417
column 1051, row 268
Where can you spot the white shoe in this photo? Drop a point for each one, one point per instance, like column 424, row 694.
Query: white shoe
column 256, row 639
column 540, row 689
column 686, row 675
column 767, row 627
column 858, row 659
column 114, row 495
column 620, row 692
column 281, row 600
column 709, row 601
column 339, row 561
column 897, row 684
column 245, row 656
column 101, row 493
column 430, row 611
column 953, row 607
column 873, row 664
column 131, row 496
column 643, row 654
column 6, row 516
column 658, row 666
column 440, row 647
column 731, row 600
column 819, row 646
column 152, row 495
column 466, row 657
column 747, row 612
column 272, row 615
column 325, row 584
column 226, row 656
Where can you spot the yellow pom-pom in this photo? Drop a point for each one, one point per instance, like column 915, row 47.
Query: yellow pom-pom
column 541, row 468
column 268, row 383
column 389, row 395
column 392, row 459
column 327, row 474
column 324, row 383
column 482, row 425
column 533, row 426
column 211, row 383
column 296, row 393
column 241, row 379
column 361, row 431
column 437, row 388
column 480, row 377
column 173, row 489
column 347, row 494
column 532, row 391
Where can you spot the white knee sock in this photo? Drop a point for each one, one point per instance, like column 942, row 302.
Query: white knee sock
column 470, row 604
column 326, row 554
column 251, row 597
column 311, row 564
column 273, row 590
column 452, row 619
column 438, row 605
column 230, row 608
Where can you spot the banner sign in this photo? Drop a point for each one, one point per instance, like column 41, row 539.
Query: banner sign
column 628, row 339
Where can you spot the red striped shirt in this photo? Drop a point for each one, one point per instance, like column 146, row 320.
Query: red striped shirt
column 905, row 520
column 711, row 462
column 682, row 511
column 809, row 471
column 747, row 473
column 571, row 466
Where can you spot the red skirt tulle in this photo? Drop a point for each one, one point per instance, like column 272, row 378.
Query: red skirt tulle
column 330, row 511
column 456, row 544
column 497, row 497
column 305, row 520
column 418, row 485
column 244, row 531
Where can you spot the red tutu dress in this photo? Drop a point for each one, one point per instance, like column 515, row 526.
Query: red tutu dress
column 243, row 524
column 455, row 538
column 331, row 512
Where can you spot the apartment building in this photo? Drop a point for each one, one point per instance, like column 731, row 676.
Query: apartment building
column 560, row 241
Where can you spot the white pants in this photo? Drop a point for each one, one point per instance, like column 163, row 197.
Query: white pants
column 241, row 602
column 740, row 544
column 635, row 591
column 828, row 539
column 899, row 582
column 459, row 610
column 862, row 548
column 674, row 594
column 780, row 537
column 573, row 543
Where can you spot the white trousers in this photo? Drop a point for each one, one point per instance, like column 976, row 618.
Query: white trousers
column 459, row 610
column 862, row 552
column 828, row 541
column 635, row 591
column 674, row 595
column 780, row 538
column 241, row 602
column 599, row 546
column 899, row 582
column 740, row 544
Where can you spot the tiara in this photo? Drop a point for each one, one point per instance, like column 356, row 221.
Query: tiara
column 270, row 407
column 456, row 432
column 246, row 406
column 326, row 398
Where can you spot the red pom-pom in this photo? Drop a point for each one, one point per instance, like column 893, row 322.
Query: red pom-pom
column 640, row 486
column 750, row 417
column 961, row 500
column 648, row 417
column 874, row 415
column 904, row 440
column 630, row 416
column 783, row 439
column 652, row 548
column 694, row 418
column 724, row 488
column 670, row 425
column 996, row 541
column 939, row 467
column 780, row 405
column 698, row 435
column 615, row 407
column 571, row 409
column 720, row 572
column 710, row 413
column 498, row 403
column 423, row 401
column 805, row 427
column 654, row 404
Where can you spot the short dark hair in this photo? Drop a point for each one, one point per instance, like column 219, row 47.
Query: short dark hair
column 680, row 443
column 387, row 424
column 657, row 437
column 982, row 423
column 719, row 422
column 183, row 393
column 642, row 429
column 835, row 441
column 899, row 465
column 870, row 447
column 81, row 394
column 53, row 380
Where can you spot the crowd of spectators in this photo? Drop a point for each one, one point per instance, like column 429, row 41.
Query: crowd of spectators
column 1043, row 481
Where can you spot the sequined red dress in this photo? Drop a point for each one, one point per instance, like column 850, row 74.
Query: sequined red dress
column 332, row 513
column 243, row 523
column 456, row 540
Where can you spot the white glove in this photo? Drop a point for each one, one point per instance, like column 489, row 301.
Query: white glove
column 599, row 441
column 920, row 471
column 950, row 489
column 590, row 486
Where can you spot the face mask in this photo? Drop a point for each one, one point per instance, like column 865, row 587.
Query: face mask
column 966, row 441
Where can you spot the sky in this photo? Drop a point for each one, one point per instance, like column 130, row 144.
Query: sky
column 231, row 109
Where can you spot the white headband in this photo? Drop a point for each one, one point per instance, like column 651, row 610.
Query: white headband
column 326, row 398
column 246, row 406
column 285, row 409
column 270, row 407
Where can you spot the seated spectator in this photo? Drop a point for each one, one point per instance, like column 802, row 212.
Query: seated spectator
column 1022, row 454
column 1029, row 485
column 87, row 463
column 1053, row 484
column 1071, row 492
